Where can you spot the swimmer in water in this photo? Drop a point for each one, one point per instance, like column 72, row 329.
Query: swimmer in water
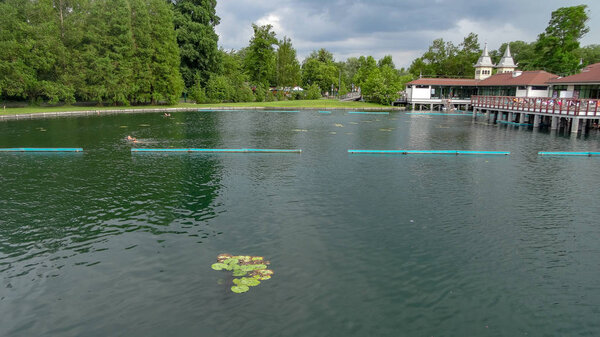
column 131, row 139
column 167, row 114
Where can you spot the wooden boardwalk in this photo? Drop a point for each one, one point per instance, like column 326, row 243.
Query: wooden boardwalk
column 576, row 115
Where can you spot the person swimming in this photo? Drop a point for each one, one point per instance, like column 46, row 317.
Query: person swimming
column 132, row 139
column 167, row 114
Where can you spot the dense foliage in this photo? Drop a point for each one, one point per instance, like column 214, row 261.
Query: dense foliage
column 444, row 59
column 125, row 52
column 112, row 51
column 195, row 22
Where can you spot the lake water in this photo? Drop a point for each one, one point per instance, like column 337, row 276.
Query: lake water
column 110, row 243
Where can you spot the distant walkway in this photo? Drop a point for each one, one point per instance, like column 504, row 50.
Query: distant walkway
column 352, row 96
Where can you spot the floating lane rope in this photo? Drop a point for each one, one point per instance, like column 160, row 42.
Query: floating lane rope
column 42, row 149
column 370, row 112
column 513, row 123
column 573, row 154
column 324, row 112
column 220, row 150
column 450, row 152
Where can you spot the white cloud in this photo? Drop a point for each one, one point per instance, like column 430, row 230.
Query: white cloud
column 403, row 29
column 494, row 35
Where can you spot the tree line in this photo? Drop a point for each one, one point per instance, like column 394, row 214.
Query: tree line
column 557, row 50
column 124, row 52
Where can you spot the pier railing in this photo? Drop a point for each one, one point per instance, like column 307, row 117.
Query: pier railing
column 544, row 105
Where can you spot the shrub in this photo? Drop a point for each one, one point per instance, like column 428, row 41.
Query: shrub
column 198, row 94
column 313, row 92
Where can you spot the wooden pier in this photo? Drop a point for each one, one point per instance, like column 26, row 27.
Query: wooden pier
column 574, row 115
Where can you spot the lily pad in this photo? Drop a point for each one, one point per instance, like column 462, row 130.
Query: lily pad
column 259, row 266
column 218, row 266
column 250, row 281
column 240, row 289
column 239, row 272
column 231, row 261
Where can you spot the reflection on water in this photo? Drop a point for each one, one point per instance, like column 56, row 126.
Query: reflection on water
column 107, row 240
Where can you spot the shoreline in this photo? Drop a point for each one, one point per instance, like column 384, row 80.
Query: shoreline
column 41, row 115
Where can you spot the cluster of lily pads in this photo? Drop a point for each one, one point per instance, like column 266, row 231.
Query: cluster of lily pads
column 251, row 270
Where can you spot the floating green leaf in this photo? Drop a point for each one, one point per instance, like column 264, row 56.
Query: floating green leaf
column 249, row 281
column 218, row 266
column 239, row 272
column 231, row 261
column 240, row 289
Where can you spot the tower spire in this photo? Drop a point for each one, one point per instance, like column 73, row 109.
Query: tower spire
column 484, row 66
column 507, row 63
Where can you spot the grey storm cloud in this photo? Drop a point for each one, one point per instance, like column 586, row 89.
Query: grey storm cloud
column 403, row 29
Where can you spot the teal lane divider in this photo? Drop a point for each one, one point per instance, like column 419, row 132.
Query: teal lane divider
column 219, row 150
column 438, row 114
column 324, row 112
column 42, row 149
column 580, row 154
column 370, row 112
column 452, row 152
column 513, row 123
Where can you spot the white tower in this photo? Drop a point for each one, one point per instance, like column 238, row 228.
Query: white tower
column 506, row 64
column 483, row 68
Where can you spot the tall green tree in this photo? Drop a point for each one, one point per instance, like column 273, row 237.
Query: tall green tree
column 349, row 69
column 589, row 54
column 233, row 71
column 288, row 67
column 382, row 85
column 555, row 48
column 167, row 83
column 319, row 68
column 195, row 22
column 108, row 50
column 260, row 57
column 386, row 61
column 366, row 66
column 444, row 59
column 30, row 52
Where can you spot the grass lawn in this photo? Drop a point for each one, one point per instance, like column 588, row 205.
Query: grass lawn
column 316, row 104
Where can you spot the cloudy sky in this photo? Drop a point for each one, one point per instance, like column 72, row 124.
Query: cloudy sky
column 403, row 29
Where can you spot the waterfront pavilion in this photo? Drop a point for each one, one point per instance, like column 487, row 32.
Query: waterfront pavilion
column 451, row 93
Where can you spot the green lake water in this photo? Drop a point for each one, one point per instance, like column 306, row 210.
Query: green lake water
column 110, row 243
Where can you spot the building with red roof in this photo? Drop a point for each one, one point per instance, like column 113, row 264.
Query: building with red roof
column 586, row 84
column 506, row 82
